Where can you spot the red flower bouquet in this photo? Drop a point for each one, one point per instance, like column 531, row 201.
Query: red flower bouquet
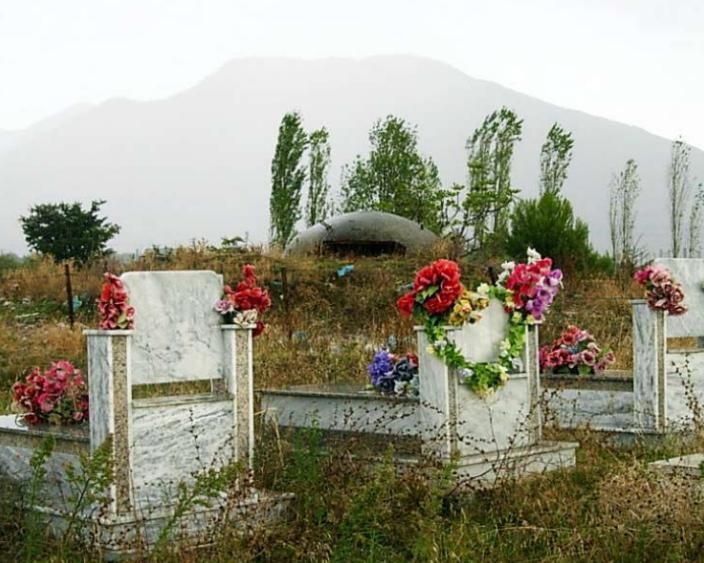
column 243, row 304
column 113, row 305
column 57, row 395
column 436, row 288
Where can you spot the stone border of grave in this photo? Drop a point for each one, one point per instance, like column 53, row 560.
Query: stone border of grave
column 485, row 440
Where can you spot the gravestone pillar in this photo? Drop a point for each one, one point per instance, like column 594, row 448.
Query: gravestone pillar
column 649, row 375
column 110, row 399
column 239, row 380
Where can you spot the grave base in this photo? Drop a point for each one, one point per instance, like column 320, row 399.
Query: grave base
column 128, row 535
column 119, row 535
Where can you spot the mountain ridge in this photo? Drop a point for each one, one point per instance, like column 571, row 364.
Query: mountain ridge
column 199, row 159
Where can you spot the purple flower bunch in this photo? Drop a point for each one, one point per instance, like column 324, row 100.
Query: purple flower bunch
column 391, row 373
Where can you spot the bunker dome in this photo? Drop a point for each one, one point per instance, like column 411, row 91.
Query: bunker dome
column 367, row 233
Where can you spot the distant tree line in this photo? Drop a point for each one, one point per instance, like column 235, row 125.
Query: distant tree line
column 483, row 213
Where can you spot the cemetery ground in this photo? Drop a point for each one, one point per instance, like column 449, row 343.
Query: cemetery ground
column 324, row 327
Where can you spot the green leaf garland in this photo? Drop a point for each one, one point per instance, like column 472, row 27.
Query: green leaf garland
column 483, row 378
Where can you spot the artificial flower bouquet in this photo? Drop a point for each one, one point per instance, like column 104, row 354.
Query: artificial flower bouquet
column 577, row 352
column 662, row 292
column 439, row 299
column 57, row 395
column 114, row 310
column 394, row 374
column 243, row 305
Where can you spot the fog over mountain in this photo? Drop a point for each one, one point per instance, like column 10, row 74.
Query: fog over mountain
column 197, row 164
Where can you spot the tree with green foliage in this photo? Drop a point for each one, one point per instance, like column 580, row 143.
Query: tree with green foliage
column 486, row 205
column 624, row 189
column 395, row 177
column 68, row 233
column 318, row 206
column 548, row 224
column 287, row 177
column 555, row 158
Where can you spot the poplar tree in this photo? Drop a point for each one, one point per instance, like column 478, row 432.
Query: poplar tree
column 555, row 158
column 318, row 206
column 624, row 189
column 486, row 206
column 287, row 177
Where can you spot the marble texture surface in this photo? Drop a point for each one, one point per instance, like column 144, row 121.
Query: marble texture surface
column 689, row 465
column 171, row 442
column 685, row 388
column 365, row 413
column 596, row 409
column 649, row 338
column 100, row 393
column 496, row 423
column 438, row 401
column 177, row 333
column 479, row 342
column 239, row 382
column 690, row 273
column 490, row 468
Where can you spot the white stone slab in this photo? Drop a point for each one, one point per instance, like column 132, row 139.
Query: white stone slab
column 690, row 273
column 177, row 334
column 689, row 465
column 685, row 388
column 480, row 341
column 172, row 443
column 365, row 413
column 597, row 409
column 498, row 422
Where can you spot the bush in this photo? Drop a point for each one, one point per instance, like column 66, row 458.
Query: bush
column 548, row 224
column 9, row 261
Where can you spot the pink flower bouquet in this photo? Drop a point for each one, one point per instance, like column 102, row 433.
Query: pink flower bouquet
column 57, row 395
column 575, row 351
column 661, row 291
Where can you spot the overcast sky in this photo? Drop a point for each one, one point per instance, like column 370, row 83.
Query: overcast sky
column 635, row 61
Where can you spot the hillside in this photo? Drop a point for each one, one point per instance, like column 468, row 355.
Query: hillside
column 198, row 163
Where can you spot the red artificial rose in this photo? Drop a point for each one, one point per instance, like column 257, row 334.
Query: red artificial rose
column 442, row 274
column 258, row 328
column 424, row 278
column 406, row 304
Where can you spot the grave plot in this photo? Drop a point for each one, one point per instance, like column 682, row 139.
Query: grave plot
column 160, row 446
column 487, row 438
column 665, row 390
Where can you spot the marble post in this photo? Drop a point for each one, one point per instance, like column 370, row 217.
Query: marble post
column 649, row 376
column 438, row 400
column 532, row 367
column 110, row 399
column 239, row 381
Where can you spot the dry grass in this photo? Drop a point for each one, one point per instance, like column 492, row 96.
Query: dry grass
column 325, row 328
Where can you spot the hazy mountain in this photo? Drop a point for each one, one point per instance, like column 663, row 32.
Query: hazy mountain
column 197, row 164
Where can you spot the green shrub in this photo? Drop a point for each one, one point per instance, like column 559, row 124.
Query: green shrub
column 548, row 224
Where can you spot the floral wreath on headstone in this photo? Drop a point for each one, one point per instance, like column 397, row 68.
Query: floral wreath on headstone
column 439, row 299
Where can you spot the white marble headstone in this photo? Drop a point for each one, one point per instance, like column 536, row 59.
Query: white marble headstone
column 479, row 342
column 177, row 335
column 690, row 273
